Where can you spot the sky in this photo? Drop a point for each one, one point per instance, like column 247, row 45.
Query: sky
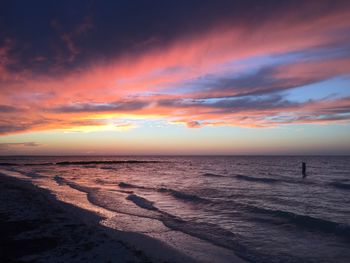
column 174, row 77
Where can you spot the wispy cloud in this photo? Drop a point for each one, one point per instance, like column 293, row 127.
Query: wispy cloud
column 122, row 106
column 18, row 144
column 84, row 71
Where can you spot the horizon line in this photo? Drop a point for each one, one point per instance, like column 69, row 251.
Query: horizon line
column 175, row 155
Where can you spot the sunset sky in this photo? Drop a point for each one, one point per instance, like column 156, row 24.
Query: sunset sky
column 174, row 77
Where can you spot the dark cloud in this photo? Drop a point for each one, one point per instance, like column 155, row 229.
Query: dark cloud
column 8, row 109
column 326, row 118
column 98, row 107
column 14, row 124
column 193, row 124
column 342, row 107
column 61, row 35
column 262, row 82
column 265, row 111
column 253, row 104
column 309, row 118
column 249, row 103
column 257, row 83
column 10, row 128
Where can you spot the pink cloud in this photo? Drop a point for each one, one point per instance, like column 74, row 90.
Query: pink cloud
column 96, row 89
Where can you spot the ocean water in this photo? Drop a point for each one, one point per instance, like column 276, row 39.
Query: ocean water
column 259, row 208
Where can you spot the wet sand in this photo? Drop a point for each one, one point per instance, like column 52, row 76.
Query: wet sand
column 35, row 228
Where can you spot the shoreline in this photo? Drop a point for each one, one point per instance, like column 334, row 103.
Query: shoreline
column 36, row 227
column 42, row 212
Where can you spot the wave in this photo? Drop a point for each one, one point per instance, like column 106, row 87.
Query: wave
column 340, row 185
column 141, row 202
column 127, row 185
column 177, row 194
column 212, row 175
column 218, row 236
column 145, row 208
column 277, row 217
column 205, row 231
column 309, row 222
column 80, row 188
column 115, row 201
column 59, row 180
column 303, row 221
column 257, row 179
column 183, row 196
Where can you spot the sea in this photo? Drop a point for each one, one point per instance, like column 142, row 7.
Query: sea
column 259, row 208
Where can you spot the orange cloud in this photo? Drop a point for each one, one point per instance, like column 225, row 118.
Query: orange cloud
column 136, row 84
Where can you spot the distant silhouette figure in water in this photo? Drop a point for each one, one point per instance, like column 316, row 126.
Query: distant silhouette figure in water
column 304, row 169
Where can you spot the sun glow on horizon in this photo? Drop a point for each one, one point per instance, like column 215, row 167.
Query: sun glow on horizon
column 190, row 83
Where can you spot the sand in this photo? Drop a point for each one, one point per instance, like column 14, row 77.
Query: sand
column 33, row 229
column 36, row 227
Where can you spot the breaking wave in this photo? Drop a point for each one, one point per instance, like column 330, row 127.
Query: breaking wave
column 175, row 193
column 141, row 202
column 183, row 196
column 127, row 185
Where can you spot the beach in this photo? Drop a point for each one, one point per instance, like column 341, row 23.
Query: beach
column 36, row 227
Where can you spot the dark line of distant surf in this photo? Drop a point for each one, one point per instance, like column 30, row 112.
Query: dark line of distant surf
column 80, row 163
